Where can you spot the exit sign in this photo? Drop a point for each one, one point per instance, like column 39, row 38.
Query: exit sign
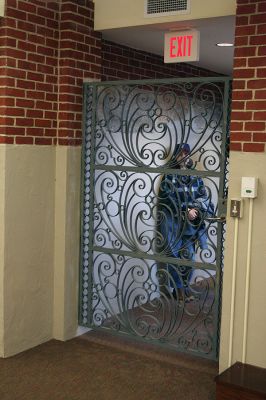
column 181, row 46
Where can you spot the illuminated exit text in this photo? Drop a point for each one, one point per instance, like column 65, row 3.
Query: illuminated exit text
column 180, row 46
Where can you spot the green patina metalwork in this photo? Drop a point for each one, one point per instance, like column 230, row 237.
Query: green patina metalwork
column 134, row 133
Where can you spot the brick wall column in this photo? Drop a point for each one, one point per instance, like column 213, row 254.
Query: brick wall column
column 248, row 129
column 79, row 58
column 47, row 49
column 28, row 54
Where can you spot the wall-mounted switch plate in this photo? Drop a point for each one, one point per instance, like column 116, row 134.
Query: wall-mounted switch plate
column 236, row 208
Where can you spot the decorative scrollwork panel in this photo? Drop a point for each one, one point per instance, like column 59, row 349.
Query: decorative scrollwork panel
column 155, row 159
column 147, row 213
column 144, row 125
column 133, row 295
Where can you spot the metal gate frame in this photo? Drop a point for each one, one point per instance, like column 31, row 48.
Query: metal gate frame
column 87, row 206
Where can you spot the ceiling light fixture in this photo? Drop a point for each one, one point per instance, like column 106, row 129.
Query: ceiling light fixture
column 224, row 44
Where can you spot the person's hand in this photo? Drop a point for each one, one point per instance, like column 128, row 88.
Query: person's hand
column 192, row 214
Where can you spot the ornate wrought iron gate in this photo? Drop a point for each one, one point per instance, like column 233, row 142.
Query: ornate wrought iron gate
column 154, row 182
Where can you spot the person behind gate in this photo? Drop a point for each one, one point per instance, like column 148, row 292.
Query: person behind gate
column 183, row 204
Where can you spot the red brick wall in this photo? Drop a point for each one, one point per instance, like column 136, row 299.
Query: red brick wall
column 248, row 129
column 79, row 58
column 47, row 49
column 29, row 35
column 121, row 62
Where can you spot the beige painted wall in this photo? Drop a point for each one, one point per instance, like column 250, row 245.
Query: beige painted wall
column 67, row 240
column 39, row 250
column 2, row 217
column 42, row 221
column 246, row 164
column 28, row 246
column 2, row 8
column 39, row 245
column 126, row 13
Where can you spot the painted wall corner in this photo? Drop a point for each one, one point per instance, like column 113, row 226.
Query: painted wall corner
column 67, row 241
column 29, row 246
column 2, row 8
column 2, row 242
column 245, row 164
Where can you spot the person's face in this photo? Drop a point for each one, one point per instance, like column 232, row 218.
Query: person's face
column 181, row 158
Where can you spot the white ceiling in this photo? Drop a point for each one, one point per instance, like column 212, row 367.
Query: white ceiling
column 212, row 30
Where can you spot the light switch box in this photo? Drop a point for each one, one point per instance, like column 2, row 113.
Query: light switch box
column 236, row 208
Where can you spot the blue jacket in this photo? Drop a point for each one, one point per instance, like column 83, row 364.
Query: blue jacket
column 177, row 194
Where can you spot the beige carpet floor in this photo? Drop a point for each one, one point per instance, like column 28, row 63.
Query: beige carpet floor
column 95, row 368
